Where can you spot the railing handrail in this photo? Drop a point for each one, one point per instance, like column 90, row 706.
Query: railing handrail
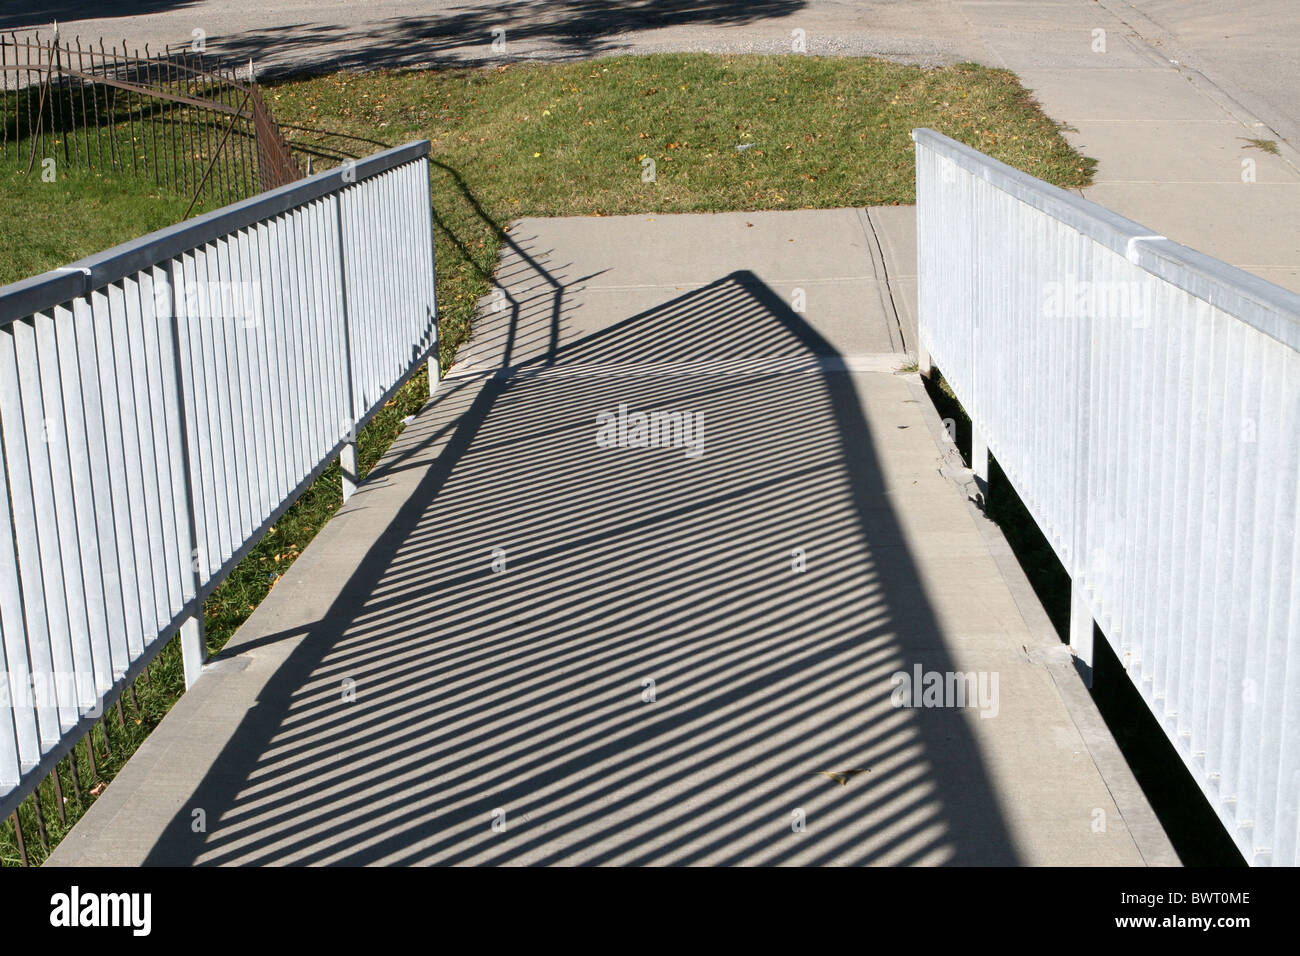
column 1273, row 310
column 42, row 292
column 153, row 429
column 1141, row 398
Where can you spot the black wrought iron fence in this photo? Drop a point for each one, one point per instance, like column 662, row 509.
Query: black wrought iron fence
column 173, row 117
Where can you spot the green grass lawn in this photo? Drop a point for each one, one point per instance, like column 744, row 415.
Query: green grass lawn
column 540, row 140
column 46, row 225
column 570, row 139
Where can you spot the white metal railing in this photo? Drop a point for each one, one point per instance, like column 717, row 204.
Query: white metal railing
column 1144, row 400
column 162, row 403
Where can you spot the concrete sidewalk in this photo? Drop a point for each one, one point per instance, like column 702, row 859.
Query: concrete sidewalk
column 851, row 273
column 521, row 644
column 1170, row 141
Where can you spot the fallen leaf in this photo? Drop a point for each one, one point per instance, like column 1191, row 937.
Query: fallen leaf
column 842, row 776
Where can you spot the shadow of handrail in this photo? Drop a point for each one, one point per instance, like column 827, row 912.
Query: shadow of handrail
column 521, row 690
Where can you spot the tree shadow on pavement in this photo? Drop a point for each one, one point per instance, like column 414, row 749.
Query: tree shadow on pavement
column 557, row 29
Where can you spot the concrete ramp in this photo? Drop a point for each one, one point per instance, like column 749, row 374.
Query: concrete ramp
column 678, row 567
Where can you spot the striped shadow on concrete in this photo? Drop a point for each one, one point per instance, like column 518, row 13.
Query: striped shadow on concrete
column 520, row 645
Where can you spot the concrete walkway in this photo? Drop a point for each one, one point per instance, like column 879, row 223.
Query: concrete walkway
column 1170, row 139
column 520, row 644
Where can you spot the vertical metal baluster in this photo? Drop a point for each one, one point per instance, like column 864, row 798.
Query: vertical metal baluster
column 56, row 73
column 75, row 774
column 348, row 456
column 130, row 110
column 40, row 820
column 58, row 795
column 18, row 837
column 4, row 88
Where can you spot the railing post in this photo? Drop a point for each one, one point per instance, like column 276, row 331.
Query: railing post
column 435, row 361
column 924, row 361
column 194, row 647
column 1081, row 632
column 979, row 458
column 348, row 454
column 348, row 465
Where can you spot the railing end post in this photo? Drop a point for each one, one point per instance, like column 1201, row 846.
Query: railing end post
column 979, row 458
column 924, row 364
column 348, row 465
column 1081, row 633
column 194, row 650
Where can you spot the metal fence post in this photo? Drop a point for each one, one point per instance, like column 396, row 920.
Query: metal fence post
column 194, row 648
column 1081, row 632
column 435, row 360
column 348, row 453
column 979, row 458
column 348, row 465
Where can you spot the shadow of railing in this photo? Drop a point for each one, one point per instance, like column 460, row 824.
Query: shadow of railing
column 522, row 689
